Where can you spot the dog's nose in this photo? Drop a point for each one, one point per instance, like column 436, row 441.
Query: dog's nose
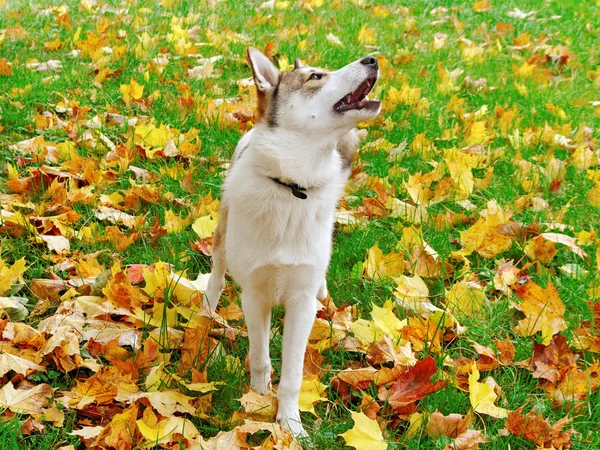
column 369, row 61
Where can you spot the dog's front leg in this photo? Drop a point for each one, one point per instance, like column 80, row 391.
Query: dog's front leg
column 300, row 315
column 257, row 313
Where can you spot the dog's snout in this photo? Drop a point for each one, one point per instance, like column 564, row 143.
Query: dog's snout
column 369, row 61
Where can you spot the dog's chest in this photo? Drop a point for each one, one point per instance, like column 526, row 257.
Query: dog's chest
column 268, row 225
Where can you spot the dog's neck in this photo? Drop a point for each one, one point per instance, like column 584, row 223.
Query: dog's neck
column 294, row 157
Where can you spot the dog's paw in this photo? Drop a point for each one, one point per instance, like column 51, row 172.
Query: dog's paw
column 292, row 422
column 295, row 427
column 323, row 293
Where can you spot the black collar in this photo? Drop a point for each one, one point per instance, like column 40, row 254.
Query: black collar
column 297, row 191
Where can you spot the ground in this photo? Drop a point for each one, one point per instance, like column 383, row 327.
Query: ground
column 466, row 245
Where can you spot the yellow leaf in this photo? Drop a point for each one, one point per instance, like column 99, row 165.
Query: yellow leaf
column 411, row 291
column 465, row 298
column 311, row 392
column 12, row 171
column 379, row 265
column 594, row 196
column 485, row 238
column 175, row 224
column 366, row 36
column 10, row 275
column 385, row 320
column 482, row 397
column 131, row 91
column 157, row 281
column 365, row 435
column 284, row 65
column 204, row 226
column 167, row 430
column 415, row 422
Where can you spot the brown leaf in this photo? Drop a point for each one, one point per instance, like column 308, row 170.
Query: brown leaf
column 469, row 440
column 451, row 425
column 31, row 426
column 536, row 429
column 551, row 362
column 507, row 351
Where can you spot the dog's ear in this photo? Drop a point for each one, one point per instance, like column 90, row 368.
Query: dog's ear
column 298, row 64
column 266, row 75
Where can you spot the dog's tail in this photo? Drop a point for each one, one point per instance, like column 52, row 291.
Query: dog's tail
column 217, row 275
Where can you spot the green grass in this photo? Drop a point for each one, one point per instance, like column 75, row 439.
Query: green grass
column 296, row 32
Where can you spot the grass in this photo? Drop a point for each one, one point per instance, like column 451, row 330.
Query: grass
column 404, row 40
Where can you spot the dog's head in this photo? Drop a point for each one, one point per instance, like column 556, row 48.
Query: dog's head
column 310, row 99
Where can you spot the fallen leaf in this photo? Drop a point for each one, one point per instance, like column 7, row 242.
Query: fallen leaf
column 536, row 429
column 544, row 311
column 483, row 397
column 365, row 435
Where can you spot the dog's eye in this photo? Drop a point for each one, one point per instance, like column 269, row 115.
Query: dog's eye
column 315, row 76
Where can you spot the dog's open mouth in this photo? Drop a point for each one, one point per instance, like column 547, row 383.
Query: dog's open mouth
column 358, row 99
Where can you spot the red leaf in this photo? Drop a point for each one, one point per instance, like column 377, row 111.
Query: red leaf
column 412, row 386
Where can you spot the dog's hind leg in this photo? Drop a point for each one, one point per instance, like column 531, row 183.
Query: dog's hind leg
column 217, row 275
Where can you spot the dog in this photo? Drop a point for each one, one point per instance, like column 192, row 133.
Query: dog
column 279, row 197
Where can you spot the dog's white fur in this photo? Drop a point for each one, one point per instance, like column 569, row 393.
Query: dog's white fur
column 276, row 246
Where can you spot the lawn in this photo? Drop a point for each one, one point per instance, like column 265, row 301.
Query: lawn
column 465, row 275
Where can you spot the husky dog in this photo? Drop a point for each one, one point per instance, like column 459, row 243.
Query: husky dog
column 274, row 234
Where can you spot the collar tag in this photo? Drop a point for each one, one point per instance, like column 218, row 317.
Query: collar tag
column 297, row 191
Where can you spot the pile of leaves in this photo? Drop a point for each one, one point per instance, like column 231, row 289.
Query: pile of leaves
column 464, row 280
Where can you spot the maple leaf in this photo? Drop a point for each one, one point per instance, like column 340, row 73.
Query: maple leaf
column 10, row 275
column 5, row 68
column 575, row 388
column 485, row 238
column 18, row 364
column 27, row 400
column 311, row 392
column 544, row 311
column 204, row 226
column 412, row 386
column 366, row 36
column 482, row 6
column 122, row 293
column 482, row 396
column 552, row 361
column 536, row 429
column 507, row 351
column 131, row 91
column 121, row 431
column 365, row 435
column 259, row 406
column 172, row 428
column 451, row 425
column 465, row 298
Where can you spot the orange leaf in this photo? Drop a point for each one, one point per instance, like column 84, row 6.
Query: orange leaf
column 482, row 6
column 5, row 67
